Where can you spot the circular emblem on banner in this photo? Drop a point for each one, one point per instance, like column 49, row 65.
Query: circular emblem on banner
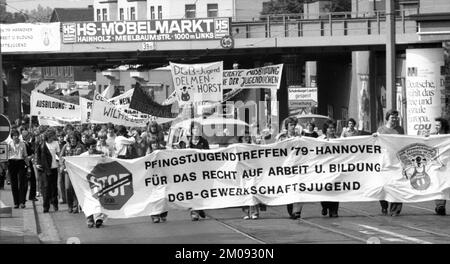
column 111, row 183
column 227, row 42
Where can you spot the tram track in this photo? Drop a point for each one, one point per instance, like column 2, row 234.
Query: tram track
column 385, row 220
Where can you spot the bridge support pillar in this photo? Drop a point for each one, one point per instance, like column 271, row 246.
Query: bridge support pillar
column 361, row 107
column 14, row 77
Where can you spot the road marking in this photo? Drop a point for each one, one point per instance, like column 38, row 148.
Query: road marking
column 240, row 232
column 405, row 237
column 49, row 232
column 383, row 219
column 427, row 231
column 418, row 207
column 333, row 230
column 16, row 230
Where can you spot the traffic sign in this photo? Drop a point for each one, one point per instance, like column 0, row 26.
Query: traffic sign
column 5, row 128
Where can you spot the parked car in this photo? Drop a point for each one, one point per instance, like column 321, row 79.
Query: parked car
column 219, row 131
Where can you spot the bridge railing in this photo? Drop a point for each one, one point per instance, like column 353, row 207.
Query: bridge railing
column 323, row 24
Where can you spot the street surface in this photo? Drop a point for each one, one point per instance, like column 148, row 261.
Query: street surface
column 358, row 223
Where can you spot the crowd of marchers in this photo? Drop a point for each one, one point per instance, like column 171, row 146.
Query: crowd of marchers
column 36, row 164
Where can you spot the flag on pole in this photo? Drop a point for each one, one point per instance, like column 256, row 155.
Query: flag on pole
column 142, row 102
column 108, row 92
column 171, row 99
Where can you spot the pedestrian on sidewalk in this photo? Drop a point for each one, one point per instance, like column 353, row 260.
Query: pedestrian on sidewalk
column 47, row 164
column 392, row 126
column 28, row 139
column 17, row 165
column 61, row 179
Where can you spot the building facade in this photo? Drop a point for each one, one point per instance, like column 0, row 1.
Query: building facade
column 238, row 10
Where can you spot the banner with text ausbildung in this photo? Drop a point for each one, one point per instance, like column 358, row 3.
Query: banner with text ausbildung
column 395, row 168
column 197, row 82
column 104, row 111
column 264, row 77
column 30, row 37
column 47, row 106
column 146, row 30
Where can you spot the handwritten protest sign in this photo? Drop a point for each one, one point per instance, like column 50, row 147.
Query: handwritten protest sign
column 44, row 105
column 107, row 112
column 197, row 82
column 264, row 77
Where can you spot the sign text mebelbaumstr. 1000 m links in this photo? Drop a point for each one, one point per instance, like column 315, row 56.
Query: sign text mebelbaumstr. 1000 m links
column 146, row 30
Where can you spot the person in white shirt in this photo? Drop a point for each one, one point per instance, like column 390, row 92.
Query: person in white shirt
column 111, row 137
column 122, row 142
column 17, row 165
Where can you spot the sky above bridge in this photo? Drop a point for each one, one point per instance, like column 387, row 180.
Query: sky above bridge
column 32, row 4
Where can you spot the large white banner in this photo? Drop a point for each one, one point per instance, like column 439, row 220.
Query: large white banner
column 47, row 106
column 104, row 111
column 424, row 84
column 388, row 167
column 197, row 82
column 264, row 77
column 30, row 37
column 56, row 121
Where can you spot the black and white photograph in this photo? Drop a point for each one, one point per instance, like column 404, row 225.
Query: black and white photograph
column 224, row 130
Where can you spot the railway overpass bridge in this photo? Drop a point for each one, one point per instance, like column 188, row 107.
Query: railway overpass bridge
column 332, row 40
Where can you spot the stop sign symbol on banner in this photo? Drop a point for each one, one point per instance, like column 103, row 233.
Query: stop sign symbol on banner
column 5, row 128
column 111, row 183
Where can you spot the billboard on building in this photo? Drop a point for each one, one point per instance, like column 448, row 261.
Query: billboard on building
column 30, row 37
column 146, row 30
column 424, row 85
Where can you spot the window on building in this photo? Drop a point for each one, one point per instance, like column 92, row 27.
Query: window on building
column 53, row 70
column 99, row 15
column 71, row 71
column 132, row 13
column 60, row 71
column 105, row 14
column 159, row 12
column 213, row 10
column 152, row 12
column 121, row 14
column 189, row 11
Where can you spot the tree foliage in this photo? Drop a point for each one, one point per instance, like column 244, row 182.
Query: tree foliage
column 296, row 6
column 40, row 14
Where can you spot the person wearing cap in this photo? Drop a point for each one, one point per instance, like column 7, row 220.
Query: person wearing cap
column 294, row 209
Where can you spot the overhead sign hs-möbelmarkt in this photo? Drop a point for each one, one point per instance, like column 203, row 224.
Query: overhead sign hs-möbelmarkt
column 146, row 30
